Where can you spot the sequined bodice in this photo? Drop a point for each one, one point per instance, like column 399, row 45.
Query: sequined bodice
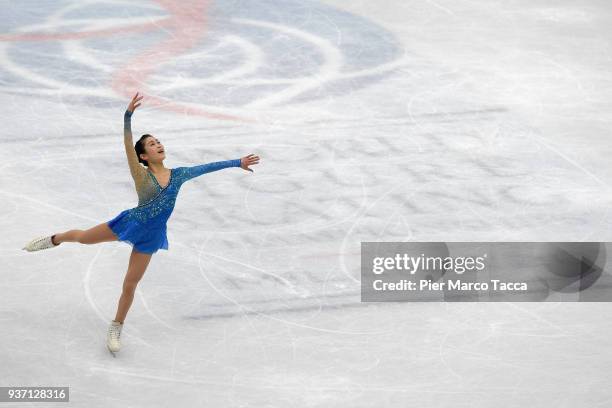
column 147, row 187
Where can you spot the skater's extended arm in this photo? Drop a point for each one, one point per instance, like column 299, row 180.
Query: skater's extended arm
column 137, row 171
column 195, row 171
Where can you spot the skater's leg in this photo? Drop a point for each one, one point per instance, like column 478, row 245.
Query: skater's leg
column 136, row 269
column 97, row 234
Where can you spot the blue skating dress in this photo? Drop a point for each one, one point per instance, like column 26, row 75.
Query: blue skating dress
column 144, row 226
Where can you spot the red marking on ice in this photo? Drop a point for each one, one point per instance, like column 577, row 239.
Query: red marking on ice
column 187, row 25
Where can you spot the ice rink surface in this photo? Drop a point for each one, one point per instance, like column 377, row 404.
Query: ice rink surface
column 375, row 121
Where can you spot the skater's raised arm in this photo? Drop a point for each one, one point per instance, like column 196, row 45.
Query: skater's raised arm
column 137, row 171
column 195, row 171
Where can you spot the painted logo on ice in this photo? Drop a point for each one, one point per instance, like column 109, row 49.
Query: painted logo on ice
column 219, row 59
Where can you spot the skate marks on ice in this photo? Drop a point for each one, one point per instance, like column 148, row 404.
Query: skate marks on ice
column 302, row 251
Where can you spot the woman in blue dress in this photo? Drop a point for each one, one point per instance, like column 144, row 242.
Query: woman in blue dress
column 144, row 226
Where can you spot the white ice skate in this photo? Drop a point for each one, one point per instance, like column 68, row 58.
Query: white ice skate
column 113, row 338
column 39, row 243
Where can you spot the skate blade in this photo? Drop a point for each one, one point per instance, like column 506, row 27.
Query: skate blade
column 112, row 352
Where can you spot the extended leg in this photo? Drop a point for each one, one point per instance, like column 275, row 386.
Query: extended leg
column 99, row 233
column 136, row 269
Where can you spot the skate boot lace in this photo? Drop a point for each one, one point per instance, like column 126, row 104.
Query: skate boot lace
column 40, row 243
column 115, row 332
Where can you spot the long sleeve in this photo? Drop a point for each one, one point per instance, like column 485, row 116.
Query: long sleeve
column 195, row 171
column 136, row 169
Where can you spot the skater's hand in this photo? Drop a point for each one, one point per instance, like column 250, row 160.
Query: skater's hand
column 135, row 102
column 249, row 160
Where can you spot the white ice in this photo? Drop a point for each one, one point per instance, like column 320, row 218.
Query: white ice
column 466, row 120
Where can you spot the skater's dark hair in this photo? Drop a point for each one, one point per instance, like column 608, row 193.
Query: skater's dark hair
column 140, row 148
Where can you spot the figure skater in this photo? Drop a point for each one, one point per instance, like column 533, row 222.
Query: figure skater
column 144, row 226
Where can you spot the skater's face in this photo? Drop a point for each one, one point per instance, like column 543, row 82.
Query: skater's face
column 154, row 150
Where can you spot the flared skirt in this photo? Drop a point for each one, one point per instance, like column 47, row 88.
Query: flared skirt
column 146, row 237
